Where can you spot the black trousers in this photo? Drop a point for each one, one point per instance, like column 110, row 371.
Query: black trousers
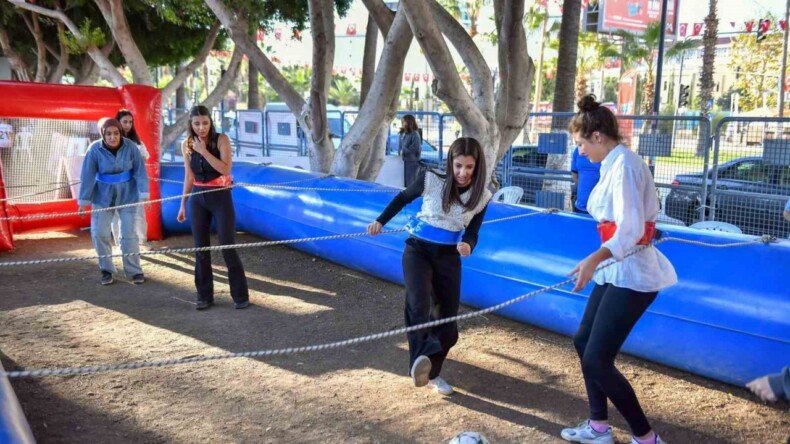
column 217, row 205
column 432, row 274
column 410, row 170
column 610, row 315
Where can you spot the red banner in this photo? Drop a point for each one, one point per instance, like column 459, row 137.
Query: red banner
column 749, row 25
column 635, row 15
column 682, row 29
column 697, row 28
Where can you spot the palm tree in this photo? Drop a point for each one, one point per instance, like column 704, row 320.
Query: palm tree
column 708, row 58
column 643, row 50
column 343, row 93
column 564, row 92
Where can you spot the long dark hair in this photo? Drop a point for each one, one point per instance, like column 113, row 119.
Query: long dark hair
column 132, row 135
column 593, row 117
column 409, row 124
column 464, row 146
column 201, row 110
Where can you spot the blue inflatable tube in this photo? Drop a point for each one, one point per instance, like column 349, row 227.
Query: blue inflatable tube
column 14, row 428
column 728, row 318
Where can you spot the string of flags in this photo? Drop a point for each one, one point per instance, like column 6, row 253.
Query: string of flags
column 762, row 27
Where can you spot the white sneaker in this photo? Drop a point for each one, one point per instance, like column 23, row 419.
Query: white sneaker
column 658, row 440
column 439, row 385
column 585, row 434
column 420, row 371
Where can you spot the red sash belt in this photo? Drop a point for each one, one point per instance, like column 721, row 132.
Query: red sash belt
column 607, row 230
column 221, row 181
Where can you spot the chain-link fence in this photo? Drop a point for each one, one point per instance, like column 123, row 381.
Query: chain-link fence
column 735, row 178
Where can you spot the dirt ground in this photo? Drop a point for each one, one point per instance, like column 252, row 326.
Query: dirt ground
column 515, row 383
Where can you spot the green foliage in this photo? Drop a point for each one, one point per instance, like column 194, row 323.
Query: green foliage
column 343, row 92
column 753, row 63
column 91, row 36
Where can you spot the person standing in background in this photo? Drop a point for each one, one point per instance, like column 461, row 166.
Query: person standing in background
column 124, row 116
column 410, row 148
column 585, row 175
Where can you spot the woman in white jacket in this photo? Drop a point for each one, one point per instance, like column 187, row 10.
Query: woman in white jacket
column 625, row 206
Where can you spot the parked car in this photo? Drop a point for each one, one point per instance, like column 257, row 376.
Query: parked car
column 753, row 215
column 527, row 167
column 430, row 153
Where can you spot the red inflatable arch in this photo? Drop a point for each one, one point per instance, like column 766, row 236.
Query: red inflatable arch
column 84, row 103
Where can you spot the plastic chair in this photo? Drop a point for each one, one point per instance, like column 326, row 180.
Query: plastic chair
column 510, row 195
column 712, row 225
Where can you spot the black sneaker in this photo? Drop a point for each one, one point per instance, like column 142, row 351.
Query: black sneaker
column 138, row 279
column 106, row 278
column 203, row 305
column 241, row 305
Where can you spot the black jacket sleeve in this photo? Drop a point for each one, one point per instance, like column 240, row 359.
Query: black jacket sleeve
column 403, row 198
column 471, row 232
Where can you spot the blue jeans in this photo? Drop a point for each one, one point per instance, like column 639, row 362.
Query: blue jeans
column 101, row 235
column 140, row 225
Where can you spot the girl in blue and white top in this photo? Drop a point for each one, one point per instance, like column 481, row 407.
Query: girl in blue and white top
column 113, row 174
column 624, row 204
column 126, row 119
column 444, row 230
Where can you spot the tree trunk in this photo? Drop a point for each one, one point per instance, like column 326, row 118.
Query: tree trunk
column 181, row 92
column 567, row 55
column 384, row 90
column 253, row 88
column 706, row 75
column 34, row 26
column 564, row 89
column 171, row 133
column 369, row 58
column 322, row 26
column 199, row 60
column 113, row 13
column 63, row 60
column 18, row 65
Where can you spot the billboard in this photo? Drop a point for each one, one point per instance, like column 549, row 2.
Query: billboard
column 633, row 15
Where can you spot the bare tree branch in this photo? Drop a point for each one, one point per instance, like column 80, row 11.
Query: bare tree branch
column 171, row 133
column 107, row 68
column 17, row 63
column 480, row 73
column 199, row 59
column 449, row 87
column 383, row 92
column 369, row 58
column 34, row 26
column 237, row 26
column 381, row 14
column 516, row 73
column 113, row 13
column 63, row 60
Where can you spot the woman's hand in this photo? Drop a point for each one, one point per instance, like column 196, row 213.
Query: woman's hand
column 584, row 270
column 81, row 211
column 374, row 228
column 464, row 249
column 199, row 146
column 182, row 214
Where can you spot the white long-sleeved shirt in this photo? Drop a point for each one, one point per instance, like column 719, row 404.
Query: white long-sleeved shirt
column 626, row 195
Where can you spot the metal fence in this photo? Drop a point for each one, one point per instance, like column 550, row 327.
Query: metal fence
column 735, row 177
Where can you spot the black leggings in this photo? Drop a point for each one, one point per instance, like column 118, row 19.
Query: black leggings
column 432, row 274
column 610, row 315
column 217, row 205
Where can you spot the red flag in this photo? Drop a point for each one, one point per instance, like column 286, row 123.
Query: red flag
column 732, row 24
column 298, row 34
column 697, row 28
column 765, row 26
column 749, row 25
column 351, row 29
column 425, row 77
column 343, row 70
column 782, row 24
column 278, row 33
column 407, row 77
column 259, row 35
column 682, row 29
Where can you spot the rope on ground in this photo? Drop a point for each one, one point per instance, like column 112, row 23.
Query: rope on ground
column 235, row 246
column 72, row 371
